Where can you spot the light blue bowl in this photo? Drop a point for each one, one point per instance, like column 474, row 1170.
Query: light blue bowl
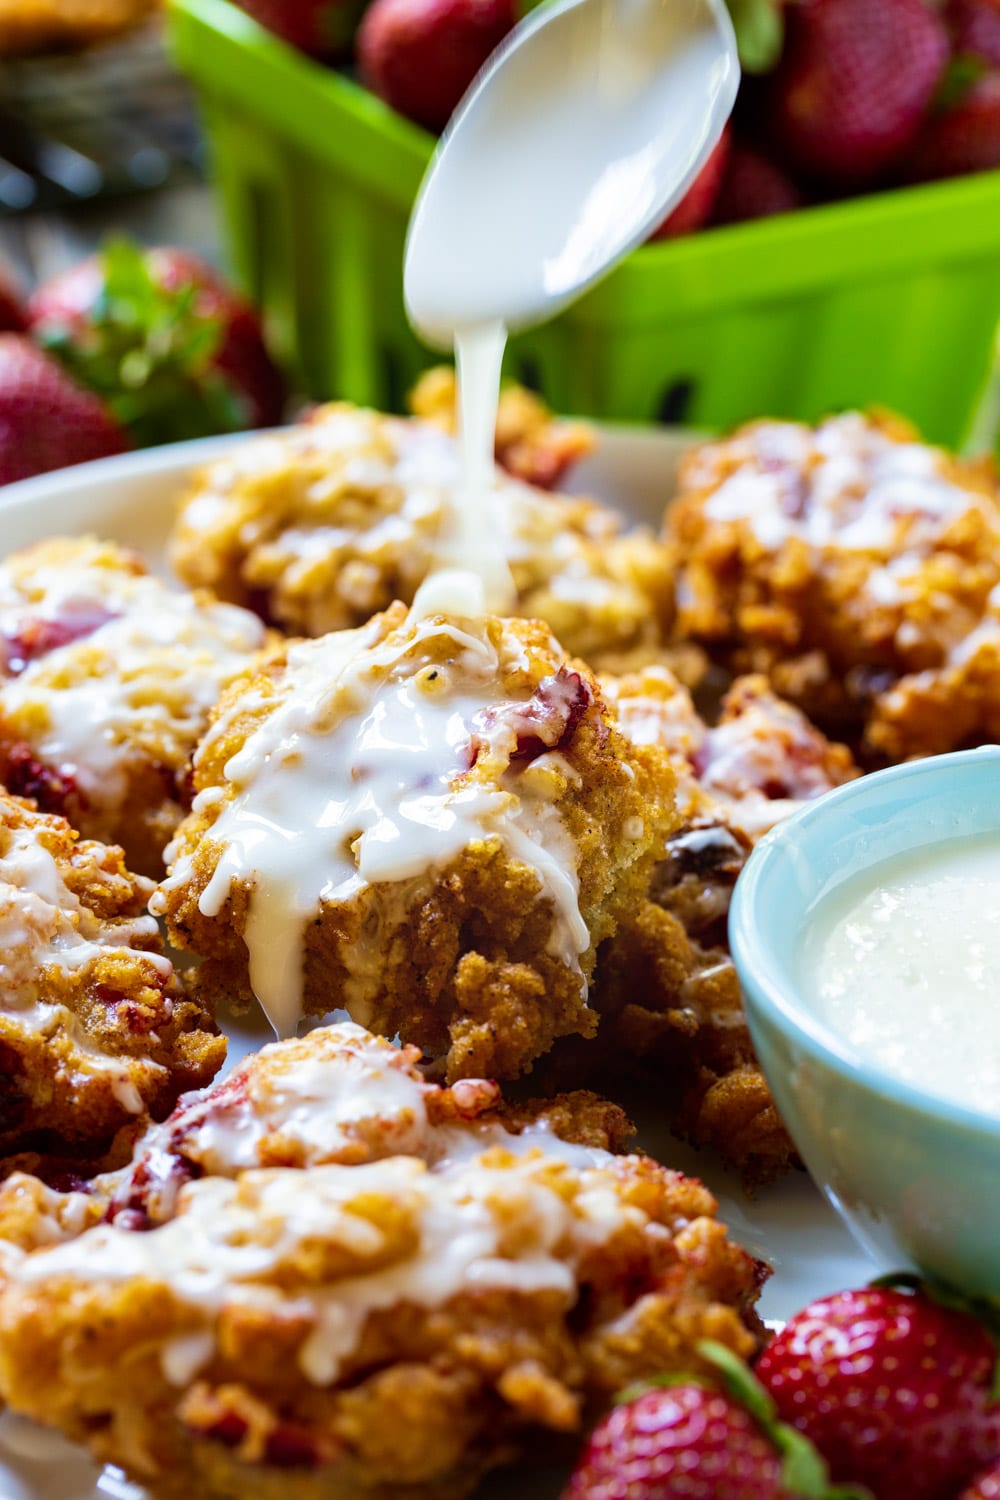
column 916, row 1178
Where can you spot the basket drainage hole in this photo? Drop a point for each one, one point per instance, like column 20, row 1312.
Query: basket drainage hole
column 675, row 403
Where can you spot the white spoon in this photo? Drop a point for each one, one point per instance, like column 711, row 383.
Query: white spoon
column 578, row 137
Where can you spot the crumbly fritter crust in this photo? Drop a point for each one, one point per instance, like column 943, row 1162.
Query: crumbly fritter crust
column 850, row 564
column 531, row 443
column 106, row 681
column 324, row 525
column 95, row 1027
column 666, row 986
column 593, row 1271
column 459, row 960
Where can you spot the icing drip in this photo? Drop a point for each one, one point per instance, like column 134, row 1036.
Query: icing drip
column 485, row 1221
column 380, row 763
column 847, row 484
column 45, row 929
column 103, row 663
column 470, row 575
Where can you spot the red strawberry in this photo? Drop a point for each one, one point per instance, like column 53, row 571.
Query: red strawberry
column 158, row 334
column 754, row 187
column 682, row 1441
column 683, row 1438
column 695, row 208
column 965, row 137
column 985, row 1487
column 46, row 420
column 421, row 55
column 853, row 85
column 12, row 319
column 975, row 28
column 894, row 1389
column 322, row 28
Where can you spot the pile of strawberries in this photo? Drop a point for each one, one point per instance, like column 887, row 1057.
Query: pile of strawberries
column 851, row 96
column 840, row 96
column 888, row 1393
column 127, row 349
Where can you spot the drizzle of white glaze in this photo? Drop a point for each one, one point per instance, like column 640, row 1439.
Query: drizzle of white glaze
column 311, row 1096
column 847, row 484
column 482, row 1222
column 150, row 672
column 741, row 765
column 44, row 929
column 359, row 776
column 470, row 576
column 382, row 509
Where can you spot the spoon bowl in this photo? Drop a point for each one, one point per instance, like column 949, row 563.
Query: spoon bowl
column 578, row 137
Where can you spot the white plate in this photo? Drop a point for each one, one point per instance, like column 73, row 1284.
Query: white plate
column 131, row 500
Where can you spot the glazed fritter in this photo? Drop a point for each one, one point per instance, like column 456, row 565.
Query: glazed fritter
column 854, row 566
column 96, row 1029
column 107, row 678
column 349, row 1320
column 321, row 526
column 431, row 823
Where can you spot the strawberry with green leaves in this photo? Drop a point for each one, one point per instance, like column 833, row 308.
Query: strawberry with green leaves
column 698, row 1438
column 158, row 335
column 895, row 1387
column 46, row 420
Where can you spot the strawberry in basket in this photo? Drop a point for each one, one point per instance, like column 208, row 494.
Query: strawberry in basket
column 322, row 28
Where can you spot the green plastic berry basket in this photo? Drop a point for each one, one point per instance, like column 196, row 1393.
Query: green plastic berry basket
column 892, row 299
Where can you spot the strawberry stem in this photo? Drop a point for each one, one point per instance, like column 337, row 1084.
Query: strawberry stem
column 148, row 351
column 804, row 1472
column 760, row 32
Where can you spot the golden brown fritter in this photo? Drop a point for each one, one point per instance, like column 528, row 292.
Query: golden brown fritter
column 107, row 678
column 95, row 1028
column 666, row 986
column 359, row 1324
column 336, row 1096
column 844, row 561
column 531, row 443
column 433, row 824
column 321, row 526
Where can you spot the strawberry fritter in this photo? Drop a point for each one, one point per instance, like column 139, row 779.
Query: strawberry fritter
column 531, row 443
column 338, row 1095
column 432, row 824
column 850, row 563
column 940, row 708
column 321, row 526
column 95, row 1028
column 349, row 1321
column 106, row 681
column 667, row 988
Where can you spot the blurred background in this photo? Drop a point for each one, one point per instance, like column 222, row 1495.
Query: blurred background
column 841, row 247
